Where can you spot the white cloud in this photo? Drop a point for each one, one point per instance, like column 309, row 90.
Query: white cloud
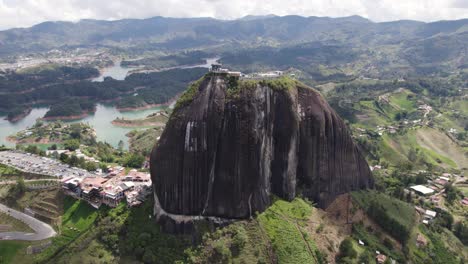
column 24, row 13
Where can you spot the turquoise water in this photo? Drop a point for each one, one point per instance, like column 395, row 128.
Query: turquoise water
column 117, row 72
column 7, row 128
column 100, row 120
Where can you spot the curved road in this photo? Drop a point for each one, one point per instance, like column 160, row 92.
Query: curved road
column 41, row 229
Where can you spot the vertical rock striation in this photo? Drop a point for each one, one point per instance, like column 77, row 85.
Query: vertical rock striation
column 227, row 149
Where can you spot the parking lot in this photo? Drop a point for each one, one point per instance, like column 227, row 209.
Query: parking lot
column 40, row 165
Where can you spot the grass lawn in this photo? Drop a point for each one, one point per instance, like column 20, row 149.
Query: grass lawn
column 401, row 100
column 78, row 217
column 10, row 249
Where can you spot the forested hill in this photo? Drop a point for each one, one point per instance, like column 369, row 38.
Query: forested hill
column 19, row 91
column 182, row 33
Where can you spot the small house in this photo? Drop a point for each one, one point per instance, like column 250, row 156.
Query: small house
column 430, row 214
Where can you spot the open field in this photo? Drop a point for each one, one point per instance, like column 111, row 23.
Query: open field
column 441, row 144
column 428, row 145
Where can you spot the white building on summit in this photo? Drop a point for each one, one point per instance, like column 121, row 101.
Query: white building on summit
column 216, row 68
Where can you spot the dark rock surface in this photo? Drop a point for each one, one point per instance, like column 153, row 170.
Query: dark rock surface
column 226, row 151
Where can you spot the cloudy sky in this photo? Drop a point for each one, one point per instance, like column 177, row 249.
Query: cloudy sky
column 24, row 13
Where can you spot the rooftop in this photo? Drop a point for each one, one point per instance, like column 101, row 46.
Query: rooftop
column 422, row 189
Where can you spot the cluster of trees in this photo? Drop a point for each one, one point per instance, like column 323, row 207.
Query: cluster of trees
column 71, row 107
column 393, row 227
column 21, row 81
column 284, row 58
column 74, row 161
column 33, row 149
column 159, row 87
column 460, row 229
column 347, row 252
column 153, row 88
column 189, row 58
column 133, row 160
column 452, row 193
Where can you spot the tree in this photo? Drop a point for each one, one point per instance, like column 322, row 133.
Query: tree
column 121, row 145
column 420, row 178
column 73, row 161
column 53, row 147
column 412, row 155
column 451, row 193
column 20, row 186
column 63, row 157
column 75, row 131
column 347, row 250
column 409, row 197
column 461, row 231
column 133, row 160
column 72, row 144
column 90, row 166
column 366, row 257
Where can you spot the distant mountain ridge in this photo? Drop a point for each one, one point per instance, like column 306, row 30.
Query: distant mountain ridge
column 189, row 33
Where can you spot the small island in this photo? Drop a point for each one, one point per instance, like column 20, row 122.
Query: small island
column 55, row 132
column 71, row 109
column 158, row 119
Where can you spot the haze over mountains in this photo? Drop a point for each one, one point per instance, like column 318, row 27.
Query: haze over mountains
column 187, row 33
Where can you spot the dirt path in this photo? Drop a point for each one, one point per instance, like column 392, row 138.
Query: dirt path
column 14, row 182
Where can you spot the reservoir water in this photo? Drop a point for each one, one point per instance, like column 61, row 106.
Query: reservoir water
column 100, row 120
column 117, row 72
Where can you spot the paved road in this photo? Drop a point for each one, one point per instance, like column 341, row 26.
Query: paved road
column 41, row 229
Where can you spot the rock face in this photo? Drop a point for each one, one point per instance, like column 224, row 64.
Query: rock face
column 225, row 151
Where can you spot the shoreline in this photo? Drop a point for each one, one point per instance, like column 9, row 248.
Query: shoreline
column 20, row 116
column 16, row 141
column 68, row 118
column 148, row 106
column 149, row 124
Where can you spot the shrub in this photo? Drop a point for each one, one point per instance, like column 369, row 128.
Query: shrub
column 240, row 238
column 347, row 250
column 222, row 252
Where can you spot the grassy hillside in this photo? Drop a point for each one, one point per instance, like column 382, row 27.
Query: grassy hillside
column 276, row 235
column 143, row 141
